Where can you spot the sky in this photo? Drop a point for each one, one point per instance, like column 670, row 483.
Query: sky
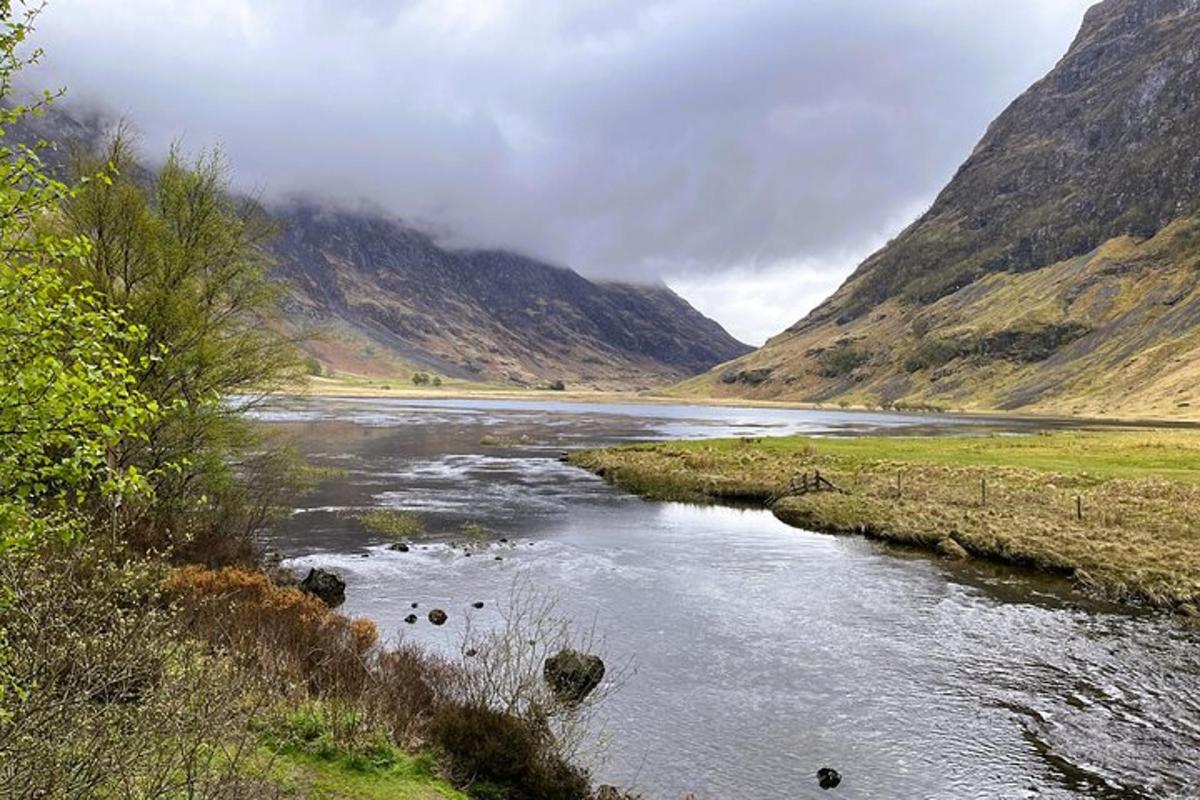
column 748, row 153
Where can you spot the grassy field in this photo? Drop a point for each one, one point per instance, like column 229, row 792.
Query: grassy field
column 1118, row 511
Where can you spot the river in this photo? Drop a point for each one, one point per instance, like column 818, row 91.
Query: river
column 751, row 653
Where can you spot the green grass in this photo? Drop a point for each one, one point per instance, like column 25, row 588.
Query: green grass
column 1174, row 455
column 299, row 774
column 308, row 761
column 1139, row 491
column 392, row 523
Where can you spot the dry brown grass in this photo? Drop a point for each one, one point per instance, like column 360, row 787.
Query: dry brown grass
column 1138, row 539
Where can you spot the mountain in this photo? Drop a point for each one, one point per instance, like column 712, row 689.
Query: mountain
column 386, row 299
column 1058, row 270
column 383, row 289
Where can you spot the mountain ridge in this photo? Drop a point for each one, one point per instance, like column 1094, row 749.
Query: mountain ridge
column 1076, row 208
column 387, row 298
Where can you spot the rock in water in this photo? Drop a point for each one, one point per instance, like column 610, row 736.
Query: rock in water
column 411, row 619
column 326, row 586
column 828, row 778
column 438, row 617
column 572, row 675
column 477, row 604
column 952, row 549
column 399, row 547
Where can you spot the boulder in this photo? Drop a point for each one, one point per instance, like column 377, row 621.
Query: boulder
column 399, row 547
column 572, row 675
column 477, row 604
column 438, row 617
column 828, row 778
column 325, row 586
column 411, row 619
column 948, row 548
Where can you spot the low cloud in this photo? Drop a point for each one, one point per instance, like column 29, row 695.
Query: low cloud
column 669, row 139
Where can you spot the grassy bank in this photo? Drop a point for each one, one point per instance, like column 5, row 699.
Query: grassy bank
column 1117, row 511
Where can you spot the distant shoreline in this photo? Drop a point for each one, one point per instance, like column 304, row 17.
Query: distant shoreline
column 398, row 390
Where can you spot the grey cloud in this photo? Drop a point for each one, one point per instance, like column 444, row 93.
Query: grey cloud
column 627, row 139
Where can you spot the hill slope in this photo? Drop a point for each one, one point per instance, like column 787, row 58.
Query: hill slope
column 387, row 299
column 1058, row 269
column 386, row 289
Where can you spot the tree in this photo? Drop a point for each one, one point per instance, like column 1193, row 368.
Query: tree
column 68, row 391
column 185, row 260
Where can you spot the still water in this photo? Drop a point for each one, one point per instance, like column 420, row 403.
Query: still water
column 757, row 653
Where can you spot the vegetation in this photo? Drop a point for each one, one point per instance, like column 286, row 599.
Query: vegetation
column 1117, row 511
column 144, row 652
column 393, row 523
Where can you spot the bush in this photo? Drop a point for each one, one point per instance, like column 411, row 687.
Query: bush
column 112, row 699
column 841, row 361
column 498, row 750
column 421, row 379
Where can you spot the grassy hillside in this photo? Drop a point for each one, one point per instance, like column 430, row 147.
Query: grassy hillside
column 1057, row 269
column 1113, row 332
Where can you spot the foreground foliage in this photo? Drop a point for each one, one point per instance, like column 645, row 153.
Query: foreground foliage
column 1117, row 511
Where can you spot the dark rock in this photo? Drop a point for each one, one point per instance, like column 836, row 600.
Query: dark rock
column 572, row 675
column 499, row 558
column 438, row 617
column 948, row 548
column 400, row 547
column 477, row 604
column 416, row 605
column 326, row 586
column 828, row 778
column 470, row 652
column 411, row 619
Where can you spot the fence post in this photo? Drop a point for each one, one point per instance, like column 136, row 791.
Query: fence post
column 983, row 491
column 1079, row 508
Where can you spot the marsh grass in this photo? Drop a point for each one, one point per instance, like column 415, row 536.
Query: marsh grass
column 392, row 523
column 1137, row 539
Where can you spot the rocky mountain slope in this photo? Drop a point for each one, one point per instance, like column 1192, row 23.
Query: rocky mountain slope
column 383, row 290
column 384, row 299
column 1059, row 268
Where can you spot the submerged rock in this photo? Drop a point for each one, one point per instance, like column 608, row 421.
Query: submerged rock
column 325, row 586
column 828, row 778
column 438, row 617
column 948, row 548
column 572, row 675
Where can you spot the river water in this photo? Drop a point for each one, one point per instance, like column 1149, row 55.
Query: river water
column 753, row 653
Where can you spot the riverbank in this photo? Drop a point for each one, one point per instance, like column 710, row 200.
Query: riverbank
column 353, row 386
column 1116, row 511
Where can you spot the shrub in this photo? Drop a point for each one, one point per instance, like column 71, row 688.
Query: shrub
column 840, row 361
column 421, row 379
column 112, row 699
column 499, row 750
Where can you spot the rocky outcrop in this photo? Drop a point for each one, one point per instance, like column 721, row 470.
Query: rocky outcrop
column 572, row 675
column 485, row 314
column 325, row 586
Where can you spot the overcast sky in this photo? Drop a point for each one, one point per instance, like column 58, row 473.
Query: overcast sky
column 747, row 152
